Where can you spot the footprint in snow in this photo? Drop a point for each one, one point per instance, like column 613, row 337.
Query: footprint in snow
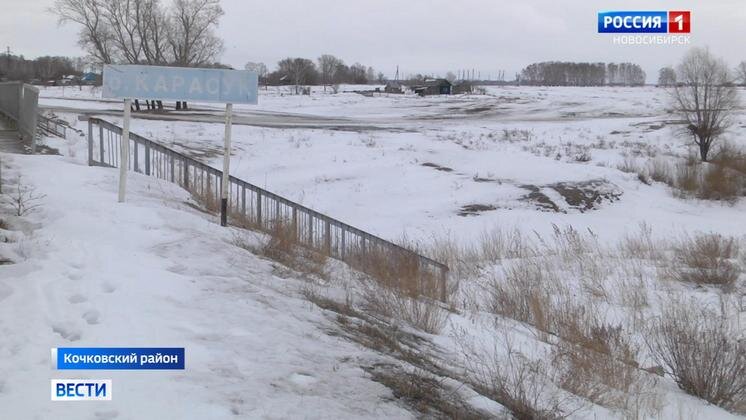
column 106, row 415
column 77, row 298
column 107, row 287
column 302, row 379
column 91, row 317
column 66, row 332
column 74, row 276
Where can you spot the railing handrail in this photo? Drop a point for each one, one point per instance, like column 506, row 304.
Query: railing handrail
column 137, row 138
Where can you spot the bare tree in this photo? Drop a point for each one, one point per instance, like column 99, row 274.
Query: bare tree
column 191, row 32
column 95, row 36
column 152, row 28
column 297, row 70
column 328, row 65
column 143, row 31
column 741, row 72
column 705, row 97
column 666, row 77
column 260, row 69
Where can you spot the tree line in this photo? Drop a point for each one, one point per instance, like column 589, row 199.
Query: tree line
column 563, row 73
column 14, row 67
column 327, row 70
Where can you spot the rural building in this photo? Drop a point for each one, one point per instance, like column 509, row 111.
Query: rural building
column 462, row 86
column 433, row 87
column 393, row 87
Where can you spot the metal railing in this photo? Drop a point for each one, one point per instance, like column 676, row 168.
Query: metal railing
column 51, row 126
column 251, row 206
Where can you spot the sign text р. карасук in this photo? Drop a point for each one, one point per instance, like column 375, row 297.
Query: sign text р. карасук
column 180, row 84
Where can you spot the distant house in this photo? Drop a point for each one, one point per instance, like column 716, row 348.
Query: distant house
column 69, row 79
column 433, row 87
column 462, row 86
column 89, row 78
column 393, row 87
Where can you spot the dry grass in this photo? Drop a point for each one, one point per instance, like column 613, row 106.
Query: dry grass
column 722, row 179
column 659, row 171
column 703, row 352
column 605, row 381
column 400, row 270
column 428, row 395
column 641, row 245
column 205, row 197
column 706, row 259
column 523, row 385
column 281, row 245
column 418, row 312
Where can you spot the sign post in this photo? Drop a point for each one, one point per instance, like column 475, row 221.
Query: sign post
column 225, row 188
column 124, row 150
column 180, row 84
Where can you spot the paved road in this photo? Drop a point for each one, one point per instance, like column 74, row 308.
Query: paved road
column 254, row 118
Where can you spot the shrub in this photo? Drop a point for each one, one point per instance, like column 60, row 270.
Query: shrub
column 418, row 312
column 721, row 183
column 659, row 171
column 524, row 386
column 703, row 352
column 604, row 380
column 281, row 245
column 706, row 259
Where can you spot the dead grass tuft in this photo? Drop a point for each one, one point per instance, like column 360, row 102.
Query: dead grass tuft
column 429, row 396
column 704, row 353
column 418, row 312
column 524, row 386
column 706, row 259
column 281, row 245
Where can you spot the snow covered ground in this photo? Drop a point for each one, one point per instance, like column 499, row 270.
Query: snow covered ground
column 428, row 158
column 155, row 271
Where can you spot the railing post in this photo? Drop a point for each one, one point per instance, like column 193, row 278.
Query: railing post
column 328, row 238
column 147, row 158
column 295, row 224
column 173, row 166
column 443, row 283
column 243, row 201
column 343, row 245
column 90, row 142
column 136, row 163
column 259, row 208
column 310, row 229
column 101, row 141
column 185, row 165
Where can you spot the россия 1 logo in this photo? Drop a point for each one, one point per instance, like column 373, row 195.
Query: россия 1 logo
column 656, row 22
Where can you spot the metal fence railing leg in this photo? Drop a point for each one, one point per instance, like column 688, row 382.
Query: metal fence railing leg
column 90, row 143
column 101, row 142
column 147, row 159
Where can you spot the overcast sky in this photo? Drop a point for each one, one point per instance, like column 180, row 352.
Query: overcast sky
column 421, row 36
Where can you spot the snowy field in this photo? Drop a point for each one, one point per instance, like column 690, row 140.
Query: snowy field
column 424, row 160
column 530, row 176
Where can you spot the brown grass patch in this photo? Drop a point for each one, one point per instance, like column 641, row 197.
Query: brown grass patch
column 707, row 259
column 703, row 352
